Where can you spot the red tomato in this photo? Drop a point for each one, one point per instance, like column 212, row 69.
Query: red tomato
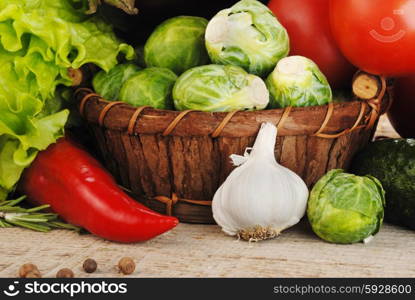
column 402, row 112
column 378, row 36
column 307, row 23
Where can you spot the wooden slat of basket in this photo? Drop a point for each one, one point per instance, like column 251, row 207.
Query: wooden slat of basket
column 301, row 120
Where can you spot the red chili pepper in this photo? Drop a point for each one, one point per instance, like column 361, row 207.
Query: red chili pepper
column 77, row 187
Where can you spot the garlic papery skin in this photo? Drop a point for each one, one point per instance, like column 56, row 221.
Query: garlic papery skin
column 260, row 198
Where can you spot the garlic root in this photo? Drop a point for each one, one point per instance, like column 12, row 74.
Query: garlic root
column 258, row 233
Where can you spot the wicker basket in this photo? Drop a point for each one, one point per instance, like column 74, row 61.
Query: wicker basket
column 175, row 161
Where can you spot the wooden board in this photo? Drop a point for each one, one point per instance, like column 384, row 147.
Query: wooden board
column 204, row 251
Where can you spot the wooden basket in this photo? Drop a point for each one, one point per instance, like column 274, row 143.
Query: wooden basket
column 175, row 161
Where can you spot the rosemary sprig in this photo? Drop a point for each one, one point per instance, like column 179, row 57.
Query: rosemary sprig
column 31, row 218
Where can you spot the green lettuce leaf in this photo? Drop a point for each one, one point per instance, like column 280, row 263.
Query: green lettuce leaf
column 39, row 41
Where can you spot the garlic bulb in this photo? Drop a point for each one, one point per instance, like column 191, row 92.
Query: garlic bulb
column 260, row 198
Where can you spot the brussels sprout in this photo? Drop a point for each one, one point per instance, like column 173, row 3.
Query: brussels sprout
column 219, row 88
column 151, row 86
column 297, row 81
column 177, row 44
column 345, row 208
column 108, row 85
column 247, row 35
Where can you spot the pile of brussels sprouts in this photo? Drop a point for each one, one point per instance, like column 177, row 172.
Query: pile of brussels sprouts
column 236, row 61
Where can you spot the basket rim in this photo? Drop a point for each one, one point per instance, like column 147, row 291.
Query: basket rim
column 326, row 120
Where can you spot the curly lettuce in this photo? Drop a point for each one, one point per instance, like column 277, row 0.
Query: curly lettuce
column 39, row 41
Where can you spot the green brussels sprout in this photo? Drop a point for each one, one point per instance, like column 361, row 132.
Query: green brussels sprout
column 297, row 81
column 177, row 44
column 345, row 208
column 108, row 85
column 247, row 35
column 215, row 88
column 151, row 86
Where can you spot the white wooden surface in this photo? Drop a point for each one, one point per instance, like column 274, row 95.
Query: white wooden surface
column 204, row 251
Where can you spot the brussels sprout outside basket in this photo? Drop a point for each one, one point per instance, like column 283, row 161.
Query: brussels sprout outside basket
column 175, row 161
